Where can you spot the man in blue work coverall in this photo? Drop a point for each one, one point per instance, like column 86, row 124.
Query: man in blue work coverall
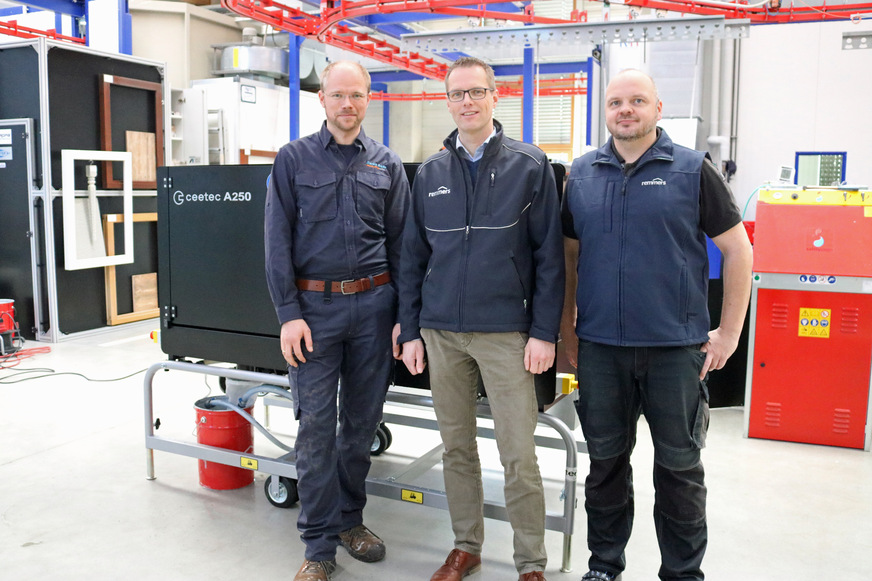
column 334, row 216
column 481, row 288
column 636, row 213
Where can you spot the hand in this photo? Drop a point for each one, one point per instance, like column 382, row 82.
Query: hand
column 398, row 351
column 293, row 334
column 413, row 356
column 538, row 355
column 718, row 349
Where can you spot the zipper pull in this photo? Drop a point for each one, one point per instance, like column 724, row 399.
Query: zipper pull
column 525, row 305
column 493, row 176
column 466, row 236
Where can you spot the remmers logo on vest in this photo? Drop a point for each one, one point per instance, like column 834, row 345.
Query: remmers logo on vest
column 655, row 182
column 440, row 192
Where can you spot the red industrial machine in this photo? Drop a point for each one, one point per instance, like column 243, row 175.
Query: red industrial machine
column 810, row 345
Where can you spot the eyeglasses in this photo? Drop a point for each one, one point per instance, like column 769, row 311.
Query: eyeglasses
column 339, row 97
column 476, row 94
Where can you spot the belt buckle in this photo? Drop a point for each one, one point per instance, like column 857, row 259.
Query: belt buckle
column 342, row 287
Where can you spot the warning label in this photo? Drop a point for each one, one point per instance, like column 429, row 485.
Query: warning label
column 412, row 496
column 814, row 323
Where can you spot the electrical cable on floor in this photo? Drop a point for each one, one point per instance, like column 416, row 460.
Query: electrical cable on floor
column 13, row 359
column 52, row 373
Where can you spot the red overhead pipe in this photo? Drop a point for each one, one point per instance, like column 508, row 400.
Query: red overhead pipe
column 12, row 28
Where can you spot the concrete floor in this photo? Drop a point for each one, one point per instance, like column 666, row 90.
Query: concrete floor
column 75, row 503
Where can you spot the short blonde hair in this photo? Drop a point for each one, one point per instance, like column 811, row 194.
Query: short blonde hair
column 360, row 68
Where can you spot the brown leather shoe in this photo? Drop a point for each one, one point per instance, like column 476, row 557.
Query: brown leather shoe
column 315, row 571
column 362, row 544
column 458, row 565
column 532, row 576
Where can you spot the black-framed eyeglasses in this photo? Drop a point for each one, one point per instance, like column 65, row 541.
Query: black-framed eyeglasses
column 476, row 94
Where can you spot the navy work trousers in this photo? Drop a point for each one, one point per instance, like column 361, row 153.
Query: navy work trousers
column 616, row 384
column 351, row 335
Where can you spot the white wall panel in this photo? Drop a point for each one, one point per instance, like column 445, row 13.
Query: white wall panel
column 799, row 91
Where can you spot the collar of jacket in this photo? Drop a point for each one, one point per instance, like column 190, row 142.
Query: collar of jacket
column 326, row 137
column 663, row 149
column 492, row 146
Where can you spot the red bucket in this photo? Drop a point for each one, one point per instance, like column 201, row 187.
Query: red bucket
column 7, row 315
column 223, row 428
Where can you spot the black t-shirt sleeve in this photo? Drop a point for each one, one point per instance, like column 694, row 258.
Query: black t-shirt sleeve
column 718, row 211
column 566, row 221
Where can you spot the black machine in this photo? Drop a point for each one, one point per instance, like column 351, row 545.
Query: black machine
column 212, row 287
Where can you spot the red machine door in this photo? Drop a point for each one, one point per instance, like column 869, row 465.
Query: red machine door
column 811, row 367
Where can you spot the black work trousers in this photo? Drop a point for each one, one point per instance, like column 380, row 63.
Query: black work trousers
column 616, row 385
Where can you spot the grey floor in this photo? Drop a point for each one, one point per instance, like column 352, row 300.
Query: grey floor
column 75, row 502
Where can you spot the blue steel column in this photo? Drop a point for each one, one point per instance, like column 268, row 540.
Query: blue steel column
column 527, row 103
column 386, row 114
column 125, row 28
column 294, row 85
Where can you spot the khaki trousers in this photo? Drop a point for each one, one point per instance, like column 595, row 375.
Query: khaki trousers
column 455, row 361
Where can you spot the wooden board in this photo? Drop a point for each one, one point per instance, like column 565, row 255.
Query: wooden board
column 141, row 144
column 144, row 291
column 113, row 317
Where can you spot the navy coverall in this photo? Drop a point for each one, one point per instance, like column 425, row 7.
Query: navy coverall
column 329, row 219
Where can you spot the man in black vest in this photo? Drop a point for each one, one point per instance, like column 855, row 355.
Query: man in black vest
column 635, row 215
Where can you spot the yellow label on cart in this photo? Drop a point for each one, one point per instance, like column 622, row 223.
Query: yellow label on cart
column 249, row 463
column 412, row 496
column 814, row 323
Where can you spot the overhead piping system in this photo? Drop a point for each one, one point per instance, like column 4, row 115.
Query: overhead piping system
column 328, row 27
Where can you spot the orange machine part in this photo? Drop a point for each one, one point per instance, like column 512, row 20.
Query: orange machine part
column 806, row 239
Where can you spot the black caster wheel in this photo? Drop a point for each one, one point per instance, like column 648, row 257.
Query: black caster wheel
column 286, row 496
column 381, row 441
column 388, row 433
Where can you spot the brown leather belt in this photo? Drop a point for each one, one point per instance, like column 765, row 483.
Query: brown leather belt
column 346, row 287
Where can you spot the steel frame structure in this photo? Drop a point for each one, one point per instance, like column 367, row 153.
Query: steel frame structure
column 328, row 25
column 398, row 485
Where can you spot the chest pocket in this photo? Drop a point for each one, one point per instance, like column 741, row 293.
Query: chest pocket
column 317, row 198
column 372, row 190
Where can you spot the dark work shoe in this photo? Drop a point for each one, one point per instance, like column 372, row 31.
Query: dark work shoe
column 598, row 576
column 362, row 544
column 315, row 571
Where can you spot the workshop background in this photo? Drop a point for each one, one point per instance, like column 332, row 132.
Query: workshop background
column 135, row 139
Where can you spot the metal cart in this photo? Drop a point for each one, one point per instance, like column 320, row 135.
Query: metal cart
column 280, row 487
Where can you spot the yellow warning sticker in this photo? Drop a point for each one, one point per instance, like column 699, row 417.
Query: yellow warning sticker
column 249, row 463
column 412, row 496
column 814, row 323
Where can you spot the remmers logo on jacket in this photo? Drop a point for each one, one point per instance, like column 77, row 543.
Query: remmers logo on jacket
column 440, row 192
column 655, row 182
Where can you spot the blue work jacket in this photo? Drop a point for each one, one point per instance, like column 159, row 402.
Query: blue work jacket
column 488, row 258
column 328, row 220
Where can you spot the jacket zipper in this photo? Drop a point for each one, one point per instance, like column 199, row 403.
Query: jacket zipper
column 621, row 260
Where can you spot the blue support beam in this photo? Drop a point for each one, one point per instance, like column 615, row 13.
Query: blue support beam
column 499, row 71
column 393, row 30
column 75, row 9
column 544, row 69
column 125, row 28
column 13, row 11
column 527, row 104
column 386, row 114
column 294, row 85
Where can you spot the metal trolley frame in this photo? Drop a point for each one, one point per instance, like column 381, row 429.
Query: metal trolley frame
column 393, row 486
